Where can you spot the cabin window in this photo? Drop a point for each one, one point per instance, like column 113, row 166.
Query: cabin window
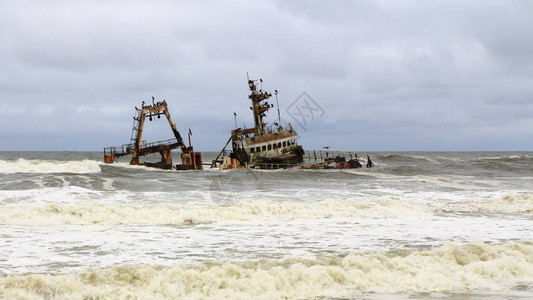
column 292, row 142
column 269, row 147
column 274, row 146
column 252, row 150
column 284, row 144
column 257, row 149
column 279, row 145
column 264, row 148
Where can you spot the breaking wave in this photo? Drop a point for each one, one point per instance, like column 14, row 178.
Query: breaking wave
column 42, row 167
column 450, row 267
column 517, row 203
column 406, row 164
column 507, row 158
column 197, row 213
column 91, row 214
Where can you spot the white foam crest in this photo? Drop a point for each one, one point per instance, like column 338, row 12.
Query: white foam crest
column 426, row 158
column 66, row 194
column 195, row 213
column 43, row 166
column 90, row 196
column 514, row 203
column 514, row 156
column 449, row 268
column 83, row 213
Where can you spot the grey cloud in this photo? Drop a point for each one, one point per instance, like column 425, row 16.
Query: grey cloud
column 391, row 75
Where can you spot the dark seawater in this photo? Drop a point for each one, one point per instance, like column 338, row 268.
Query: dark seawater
column 418, row 225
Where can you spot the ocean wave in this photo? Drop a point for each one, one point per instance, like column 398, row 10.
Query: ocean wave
column 516, row 203
column 508, row 158
column 470, row 267
column 43, row 167
column 402, row 157
column 198, row 213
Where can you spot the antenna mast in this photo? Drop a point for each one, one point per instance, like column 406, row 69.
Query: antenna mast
column 277, row 104
column 259, row 106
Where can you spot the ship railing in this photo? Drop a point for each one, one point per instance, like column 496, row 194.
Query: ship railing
column 119, row 150
column 172, row 141
column 272, row 166
column 128, row 148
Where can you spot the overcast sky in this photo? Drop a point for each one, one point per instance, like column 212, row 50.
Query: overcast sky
column 383, row 75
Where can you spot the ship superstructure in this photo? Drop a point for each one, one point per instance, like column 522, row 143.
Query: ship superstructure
column 264, row 147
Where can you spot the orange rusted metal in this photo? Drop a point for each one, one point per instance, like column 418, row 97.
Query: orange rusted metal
column 137, row 147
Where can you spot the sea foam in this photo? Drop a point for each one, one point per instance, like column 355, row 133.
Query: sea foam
column 42, row 166
column 194, row 213
column 57, row 214
column 513, row 203
column 446, row 268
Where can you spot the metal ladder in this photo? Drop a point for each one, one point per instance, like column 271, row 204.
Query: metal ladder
column 134, row 130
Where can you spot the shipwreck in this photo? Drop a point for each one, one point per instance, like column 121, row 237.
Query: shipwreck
column 275, row 146
column 138, row 147
column 262, row 147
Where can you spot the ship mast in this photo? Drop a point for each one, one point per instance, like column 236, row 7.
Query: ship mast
column 259, row 106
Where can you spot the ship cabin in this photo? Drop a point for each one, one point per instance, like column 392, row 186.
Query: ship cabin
column 268, row 146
